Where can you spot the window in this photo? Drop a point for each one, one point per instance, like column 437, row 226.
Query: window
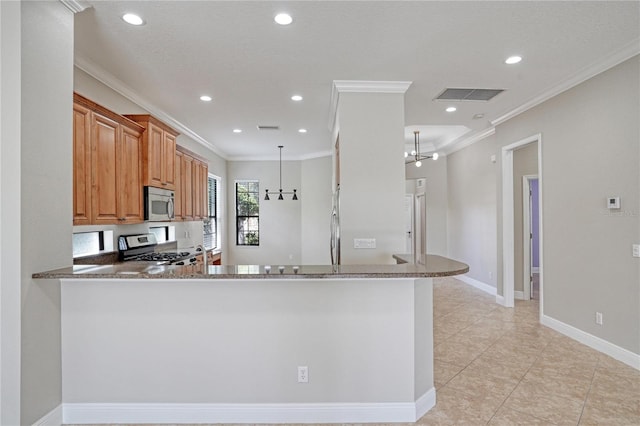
column 211, row 221
column 247, row 213
column 89, row 243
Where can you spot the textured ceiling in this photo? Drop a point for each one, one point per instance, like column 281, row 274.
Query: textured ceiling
column 233, row 51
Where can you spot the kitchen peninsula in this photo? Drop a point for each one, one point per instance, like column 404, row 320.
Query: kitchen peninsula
column 245, row 344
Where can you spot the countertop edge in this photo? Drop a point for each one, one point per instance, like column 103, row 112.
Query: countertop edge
column 433, row 266
column 201, row 276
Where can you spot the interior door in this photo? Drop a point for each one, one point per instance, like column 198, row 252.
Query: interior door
column 408, row 223
column 420, row 231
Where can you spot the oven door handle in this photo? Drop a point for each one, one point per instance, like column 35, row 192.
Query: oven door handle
column 170, row 208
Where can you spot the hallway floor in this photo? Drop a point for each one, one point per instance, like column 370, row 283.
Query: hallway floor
column 499, row 366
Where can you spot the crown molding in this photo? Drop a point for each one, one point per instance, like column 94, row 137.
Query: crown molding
column 470, row 140
column 303, row 157
column 76, row 6
column 626, row 52
column 114, row 83
column 361, row 86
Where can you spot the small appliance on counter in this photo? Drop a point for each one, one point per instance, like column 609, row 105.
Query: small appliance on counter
column 141, row 248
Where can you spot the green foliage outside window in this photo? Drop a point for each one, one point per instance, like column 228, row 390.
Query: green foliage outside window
column 247, row 213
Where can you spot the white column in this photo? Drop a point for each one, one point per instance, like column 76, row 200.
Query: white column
column 369, row 122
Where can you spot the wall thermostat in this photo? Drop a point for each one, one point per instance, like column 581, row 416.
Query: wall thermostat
column 613, row 202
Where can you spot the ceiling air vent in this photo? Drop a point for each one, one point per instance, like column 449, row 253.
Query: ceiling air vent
column 468, row 94
column 268, row 127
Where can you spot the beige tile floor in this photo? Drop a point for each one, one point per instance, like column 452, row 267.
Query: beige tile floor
column 499, row 366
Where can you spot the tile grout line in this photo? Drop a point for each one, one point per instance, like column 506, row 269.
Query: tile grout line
column 518, row 384
column 586, row 398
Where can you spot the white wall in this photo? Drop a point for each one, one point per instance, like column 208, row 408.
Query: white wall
column 436, row 194
column 590, row 150
column 471, row 226
column 10, row 209
column 364, row 341
column 46, row 196
column 372, row 175
column 316, row 211
column 280, row 220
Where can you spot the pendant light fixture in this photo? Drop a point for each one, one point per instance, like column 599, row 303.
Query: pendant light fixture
column 280, row 192
column 417, row 157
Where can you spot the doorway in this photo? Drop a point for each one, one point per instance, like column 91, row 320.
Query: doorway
column 508, row 249
column 531, row 237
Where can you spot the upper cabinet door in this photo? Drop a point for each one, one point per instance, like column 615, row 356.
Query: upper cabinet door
column 81, row 165
column 158, row 152
column 104, row 170
column 154, row 141
column 178, row 199
column 169, row 160
column 130, row 196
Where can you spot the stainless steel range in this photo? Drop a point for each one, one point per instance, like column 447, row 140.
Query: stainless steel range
column 142, row 248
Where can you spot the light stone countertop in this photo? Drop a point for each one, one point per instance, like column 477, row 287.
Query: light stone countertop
column 434, row 266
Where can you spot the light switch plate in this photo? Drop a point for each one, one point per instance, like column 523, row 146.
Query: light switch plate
column 635, row 249
column 364, row 243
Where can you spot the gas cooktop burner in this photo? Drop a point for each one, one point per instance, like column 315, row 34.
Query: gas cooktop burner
column 141, row 248
column 162, row 257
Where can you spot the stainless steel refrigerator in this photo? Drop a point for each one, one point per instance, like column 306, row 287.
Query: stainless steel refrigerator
column 335, row 228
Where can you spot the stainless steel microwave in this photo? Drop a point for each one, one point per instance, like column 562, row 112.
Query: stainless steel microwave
column 158, row 204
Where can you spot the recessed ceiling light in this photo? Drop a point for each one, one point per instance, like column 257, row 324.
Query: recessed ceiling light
column 296, row 98
column 478, row 116
column 283, row 19
column 451, row 109
column 237, row 130
column 205, row 98
column 133, row 19
column 513, row 60
column 302, row 130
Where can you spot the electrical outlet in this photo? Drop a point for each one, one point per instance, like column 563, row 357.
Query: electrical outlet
column 635, row 250
column 599, row 318
column 303, row 374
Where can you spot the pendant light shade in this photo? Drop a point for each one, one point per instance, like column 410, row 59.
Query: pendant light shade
column 280, row 192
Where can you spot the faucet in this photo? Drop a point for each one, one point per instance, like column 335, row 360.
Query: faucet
column 205, row 265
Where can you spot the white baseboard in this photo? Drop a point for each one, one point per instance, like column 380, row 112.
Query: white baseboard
column 477, row 284
column 81, row 413
column 52, row 418
column 519, row 295
column 500, row 300
column 425, row 403
column 608, row 348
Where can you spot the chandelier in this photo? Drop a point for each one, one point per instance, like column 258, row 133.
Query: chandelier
column 415, row 154
column 280, row 192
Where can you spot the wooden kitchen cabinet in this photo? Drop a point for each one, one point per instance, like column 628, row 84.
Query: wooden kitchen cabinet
column 158, row 152
column 177, row 201
column 107, row 174
column 191, row 193
column 198, row 200
column 200, row 184
column 186, row 178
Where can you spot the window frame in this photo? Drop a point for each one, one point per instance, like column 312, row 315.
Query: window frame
column 212, row 219
column 247, row 217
